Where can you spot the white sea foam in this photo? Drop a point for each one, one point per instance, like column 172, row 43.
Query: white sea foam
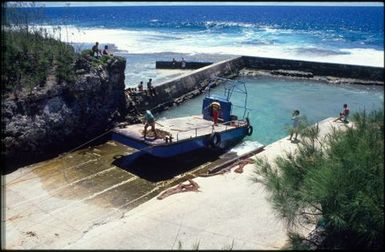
column 219, row 24
column 245, row 147
column 150, row 41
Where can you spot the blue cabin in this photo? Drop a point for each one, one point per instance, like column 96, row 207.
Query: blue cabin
column 225, row 112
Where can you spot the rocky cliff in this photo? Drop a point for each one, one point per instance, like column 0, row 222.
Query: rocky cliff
column 60, row 116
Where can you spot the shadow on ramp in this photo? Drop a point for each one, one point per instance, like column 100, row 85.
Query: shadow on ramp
column 156, row 169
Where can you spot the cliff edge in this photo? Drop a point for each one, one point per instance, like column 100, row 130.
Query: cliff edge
column 60, row 115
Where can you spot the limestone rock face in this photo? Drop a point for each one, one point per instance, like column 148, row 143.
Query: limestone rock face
column 63, row 116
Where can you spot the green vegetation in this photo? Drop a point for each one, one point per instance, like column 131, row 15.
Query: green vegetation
column 31, row 55
column 336, row 183
column 29, row 58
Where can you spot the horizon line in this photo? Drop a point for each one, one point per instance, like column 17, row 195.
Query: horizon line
column 189, row 3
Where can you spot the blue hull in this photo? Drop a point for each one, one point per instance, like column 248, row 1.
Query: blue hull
column 228, row 138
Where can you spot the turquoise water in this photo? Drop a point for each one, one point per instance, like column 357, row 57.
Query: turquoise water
column 272, row 100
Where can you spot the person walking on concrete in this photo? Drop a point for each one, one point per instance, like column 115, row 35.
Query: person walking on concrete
column 295, row 129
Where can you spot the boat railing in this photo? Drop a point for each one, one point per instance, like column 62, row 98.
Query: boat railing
column 232, row 123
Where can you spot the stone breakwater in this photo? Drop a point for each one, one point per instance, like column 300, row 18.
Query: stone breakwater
column 59, row 116
column 176, row 91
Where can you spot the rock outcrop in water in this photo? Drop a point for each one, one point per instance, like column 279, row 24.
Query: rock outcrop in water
column 61, row 116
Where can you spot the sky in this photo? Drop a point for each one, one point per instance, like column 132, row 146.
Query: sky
column 78, row 4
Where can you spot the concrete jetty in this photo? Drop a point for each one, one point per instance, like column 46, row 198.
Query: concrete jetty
column 178, row 65
column 64, row 209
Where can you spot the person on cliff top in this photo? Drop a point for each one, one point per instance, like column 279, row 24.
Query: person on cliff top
column 95, row 50
column 215, row 108
column 295, row 129
column 344, row 114
column 105, row 51
column 173, row 63
column 149, row 120
column 150, row 88
column 140, row 86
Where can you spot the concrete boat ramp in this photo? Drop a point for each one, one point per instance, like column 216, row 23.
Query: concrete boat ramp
column 94, row 204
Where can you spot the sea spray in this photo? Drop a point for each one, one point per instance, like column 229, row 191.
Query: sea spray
column 246, row 147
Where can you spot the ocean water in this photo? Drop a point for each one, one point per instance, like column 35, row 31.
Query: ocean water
column 144, row 34
column 271, row 101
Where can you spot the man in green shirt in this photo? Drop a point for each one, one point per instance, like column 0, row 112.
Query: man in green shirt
column 149, row 121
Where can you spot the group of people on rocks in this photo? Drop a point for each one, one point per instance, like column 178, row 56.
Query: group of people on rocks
column 96, row 52
column 140, row 89
column 150, row 89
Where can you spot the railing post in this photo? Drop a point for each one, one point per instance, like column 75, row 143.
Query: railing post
column 196, row 132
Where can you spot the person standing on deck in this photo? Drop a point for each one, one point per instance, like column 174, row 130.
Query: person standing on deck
column 215, row 108
column 149, row 120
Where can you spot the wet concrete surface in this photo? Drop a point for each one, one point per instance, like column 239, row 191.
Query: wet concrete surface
column 79, row 190
column 103, row 169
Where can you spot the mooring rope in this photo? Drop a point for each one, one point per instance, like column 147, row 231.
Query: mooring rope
column 192, row 186
column 241, row 163
column 93, row 139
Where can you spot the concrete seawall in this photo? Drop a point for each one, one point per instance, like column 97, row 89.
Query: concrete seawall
column 175, row 91
column 317, row 68
column 178, row 65
column 187, row 83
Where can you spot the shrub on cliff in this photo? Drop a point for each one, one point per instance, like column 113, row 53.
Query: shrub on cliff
column 28, row 58
column 336, row 183
column 30, row 54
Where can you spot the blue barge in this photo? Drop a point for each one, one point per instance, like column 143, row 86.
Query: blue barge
column 186, row 134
